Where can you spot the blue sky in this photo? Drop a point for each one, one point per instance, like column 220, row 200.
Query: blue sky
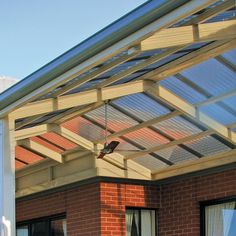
column 34, row 32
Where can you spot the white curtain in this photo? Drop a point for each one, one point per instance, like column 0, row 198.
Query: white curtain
column 64, row 227
column 218, row 219
column 148, row 222
column 129, row 219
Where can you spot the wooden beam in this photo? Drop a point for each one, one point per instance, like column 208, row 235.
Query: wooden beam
column 141, row 125
column 132, row 53
column 168, row 145
column 197, row 33
column 232, row 126
column 83, row 98
column 31, row 132
column 73, row 137
column 190, row 110
column 209, row 51
column 196, row 165
column 218, row 98
column 39, row 148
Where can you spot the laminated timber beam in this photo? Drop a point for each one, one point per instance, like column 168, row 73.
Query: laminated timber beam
column 168, row 145
column 79, row 99
column 204, row 163
column 114, row 159
column 191, row 111
column 31, row 132
column 39, row 148
column 196, row 33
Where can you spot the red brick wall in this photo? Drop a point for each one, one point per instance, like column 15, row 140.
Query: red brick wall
column 179, row 213
column 99, row 209
column 81, row 205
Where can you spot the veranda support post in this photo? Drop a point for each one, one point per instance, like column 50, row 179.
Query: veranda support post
column 7, row 178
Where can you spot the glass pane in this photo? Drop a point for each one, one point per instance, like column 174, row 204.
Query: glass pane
column 58, row 227
column 221, row 219
column 39, row 229
column 148, row 223
column 22, row 231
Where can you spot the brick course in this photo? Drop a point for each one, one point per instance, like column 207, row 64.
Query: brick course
column 99, row 208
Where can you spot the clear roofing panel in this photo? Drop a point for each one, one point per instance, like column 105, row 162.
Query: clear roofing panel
column 141, row 106
column 150, row 162
column 183, row 90
column 116, row 120
column 176, row 154
column 207, row 145
column 27, row 156
column 85, row 128
column 177, row 127
column 59, row 140
column 209, row 75
column 230, row 56
column 48, row 144
column 220, row 114
column 146, row 137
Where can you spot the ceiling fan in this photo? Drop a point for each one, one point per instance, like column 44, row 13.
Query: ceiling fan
column 110, row 147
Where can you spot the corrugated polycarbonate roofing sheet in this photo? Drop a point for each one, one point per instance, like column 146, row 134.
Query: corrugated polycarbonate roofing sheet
column 141, row 106
column 212, row 75
column 150, row 162
column 231, row 56
column 220, row 114
column 176, row 154
column 85, row 128
column 116, row 120
column 183, row 90
column 146, row 137
column 177, row 127
column 207, row 145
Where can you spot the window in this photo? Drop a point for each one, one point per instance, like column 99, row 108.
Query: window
column 140, row 222
column 50, row 226
column 219, row 218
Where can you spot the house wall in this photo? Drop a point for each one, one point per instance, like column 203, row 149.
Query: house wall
column 81, row 206
column 99, row 208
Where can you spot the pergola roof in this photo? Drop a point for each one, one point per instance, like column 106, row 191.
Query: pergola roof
column 168, row 73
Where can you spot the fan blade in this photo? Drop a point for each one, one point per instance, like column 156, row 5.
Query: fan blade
column 112, row 145
column 101, row 155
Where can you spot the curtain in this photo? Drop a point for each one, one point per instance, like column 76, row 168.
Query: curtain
column 129, row 219
column 64, row 227
column 148, row 222
column 132, row 223
column 218, row 219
